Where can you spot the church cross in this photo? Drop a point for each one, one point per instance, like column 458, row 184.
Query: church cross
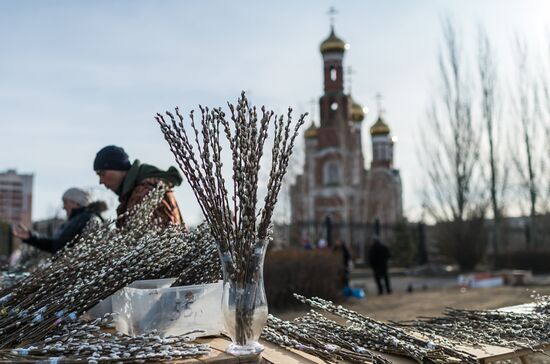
column 379, row 104
column 332, row 14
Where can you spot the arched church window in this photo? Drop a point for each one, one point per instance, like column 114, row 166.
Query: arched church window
column 332, row 174
column 333, row 74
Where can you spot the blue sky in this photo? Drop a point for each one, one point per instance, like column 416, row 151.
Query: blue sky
column 78, row 75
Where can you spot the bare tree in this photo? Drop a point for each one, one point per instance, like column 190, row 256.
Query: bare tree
column 450, row 156
column 490, row 113
column 295, row 167
column 529, row 157
column 545, row 80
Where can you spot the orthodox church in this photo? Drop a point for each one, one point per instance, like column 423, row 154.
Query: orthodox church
column 335, row 189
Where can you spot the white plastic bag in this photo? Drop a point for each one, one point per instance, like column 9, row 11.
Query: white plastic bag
column 150, row 305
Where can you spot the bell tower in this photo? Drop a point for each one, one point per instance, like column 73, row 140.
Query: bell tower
column 332, row 50
column 334, row 103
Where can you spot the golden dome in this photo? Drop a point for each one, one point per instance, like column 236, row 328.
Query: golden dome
column 311, row 132
column 357, row 113
column 380, row 127
column 333, row 43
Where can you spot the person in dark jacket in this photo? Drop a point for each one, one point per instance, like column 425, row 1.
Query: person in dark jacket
column 133, row 181
column 378, row 256
column 341, row 249
column 80, row 211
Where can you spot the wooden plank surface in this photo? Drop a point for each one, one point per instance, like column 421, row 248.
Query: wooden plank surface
column 218, row 354
column 496, row 353
column 275, row 354
column 271, row 354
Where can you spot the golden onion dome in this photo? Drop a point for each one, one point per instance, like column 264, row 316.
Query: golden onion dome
column 333, row 44
column 357, row 113
column 311, row 132
column 380, row 127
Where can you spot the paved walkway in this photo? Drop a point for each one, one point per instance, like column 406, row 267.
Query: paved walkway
column 400, row 283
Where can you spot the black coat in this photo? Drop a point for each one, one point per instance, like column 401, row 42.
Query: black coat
column 346, row 256
column 76, row 223
column 378, row 256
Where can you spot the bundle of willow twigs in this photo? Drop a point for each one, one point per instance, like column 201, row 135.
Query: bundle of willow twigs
column 201, row 263
column 320, row 336
column 320, row 339
column 85, row 341
column 103, row 261
column 236, row 224
column 9, row 279
column 542, row 303
column 240, row 229
column 513, row 330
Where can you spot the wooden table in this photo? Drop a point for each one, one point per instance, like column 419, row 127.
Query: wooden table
column 271, row 354
column 275, row 354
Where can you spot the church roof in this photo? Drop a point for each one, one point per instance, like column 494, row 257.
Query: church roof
column 311, row 132
column 379, row 127
column 333, row 43
column 357, row 113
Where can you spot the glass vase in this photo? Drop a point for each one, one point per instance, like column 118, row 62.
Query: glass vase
column 244, row 304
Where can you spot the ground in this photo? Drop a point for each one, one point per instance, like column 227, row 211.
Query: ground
column 402, row 305
column 405, row 306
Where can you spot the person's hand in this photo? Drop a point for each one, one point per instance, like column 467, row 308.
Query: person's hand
column 21, row 232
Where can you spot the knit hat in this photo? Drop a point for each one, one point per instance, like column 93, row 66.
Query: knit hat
column 112, row 157
column 77, row 195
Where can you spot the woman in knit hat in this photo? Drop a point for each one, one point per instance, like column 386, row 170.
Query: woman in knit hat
column 80, row 210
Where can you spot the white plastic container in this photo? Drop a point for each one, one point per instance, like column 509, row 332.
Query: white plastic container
column 99, row 310
column 150, row 305
column 106, row 305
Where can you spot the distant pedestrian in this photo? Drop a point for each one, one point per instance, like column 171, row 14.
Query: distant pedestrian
column 306, row 244
column 341, row 249
column 80, row 211
column 133, row 181
column 378, row 256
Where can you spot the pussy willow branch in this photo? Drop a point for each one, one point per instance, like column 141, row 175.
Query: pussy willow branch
column 383, row 337
column 509, row 329
column 318, row 339
column 84, row 341
column 236, row 221
column 101, row 262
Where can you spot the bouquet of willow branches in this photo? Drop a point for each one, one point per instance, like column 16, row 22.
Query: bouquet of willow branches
column 239, row 227
column 233, row 221
column 100, row 263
